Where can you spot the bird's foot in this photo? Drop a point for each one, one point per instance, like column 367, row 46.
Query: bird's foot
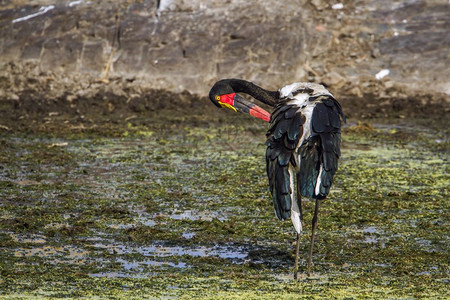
column 300, row 276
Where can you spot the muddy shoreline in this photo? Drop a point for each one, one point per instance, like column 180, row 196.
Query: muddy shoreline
column 123, row 101
column 115, row 198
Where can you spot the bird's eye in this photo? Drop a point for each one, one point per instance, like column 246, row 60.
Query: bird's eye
column 218, row 98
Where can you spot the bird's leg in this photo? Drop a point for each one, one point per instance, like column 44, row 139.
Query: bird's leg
column 299, row 198
column 297, row 246
column 314, row 226
column 297, row 250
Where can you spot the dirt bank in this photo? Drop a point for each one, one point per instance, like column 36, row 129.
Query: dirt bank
column 381, row 58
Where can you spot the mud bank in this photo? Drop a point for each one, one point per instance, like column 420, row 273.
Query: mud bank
column 171, row 203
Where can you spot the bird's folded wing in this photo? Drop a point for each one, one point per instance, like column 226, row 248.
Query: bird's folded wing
column 283, row 136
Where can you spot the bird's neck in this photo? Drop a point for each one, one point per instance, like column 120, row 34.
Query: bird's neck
column 242, row 86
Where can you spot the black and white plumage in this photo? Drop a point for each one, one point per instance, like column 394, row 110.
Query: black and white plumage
column 303, row 143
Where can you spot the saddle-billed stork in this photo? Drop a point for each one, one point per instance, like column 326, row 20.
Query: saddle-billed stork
column 303, row 143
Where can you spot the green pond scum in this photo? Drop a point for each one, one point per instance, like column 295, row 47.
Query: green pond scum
column 170, row 205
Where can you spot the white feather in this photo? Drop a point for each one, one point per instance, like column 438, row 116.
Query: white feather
column 287, row 90
column 319, row 181
column 295, row 211
column 301, row 99
column 316, row 89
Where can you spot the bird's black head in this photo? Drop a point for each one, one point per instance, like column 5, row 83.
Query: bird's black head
column 220, row 89
column 222, row 94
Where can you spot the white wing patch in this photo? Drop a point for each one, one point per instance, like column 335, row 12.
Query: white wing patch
column 295, row 211
column 319, row 180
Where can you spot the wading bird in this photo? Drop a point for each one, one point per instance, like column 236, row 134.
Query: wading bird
column 303, row 143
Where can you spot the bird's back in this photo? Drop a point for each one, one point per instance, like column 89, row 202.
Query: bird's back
column 303, row 138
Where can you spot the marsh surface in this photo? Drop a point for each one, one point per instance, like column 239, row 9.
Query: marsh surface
column 175, row 204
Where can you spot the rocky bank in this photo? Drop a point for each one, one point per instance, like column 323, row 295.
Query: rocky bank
column 379, row 57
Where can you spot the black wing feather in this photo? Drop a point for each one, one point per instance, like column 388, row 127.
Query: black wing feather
column 282, row 139
column 309, row 166
column 293, row 130
column 322, row 149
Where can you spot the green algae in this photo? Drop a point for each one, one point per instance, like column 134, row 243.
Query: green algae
column 179, row 207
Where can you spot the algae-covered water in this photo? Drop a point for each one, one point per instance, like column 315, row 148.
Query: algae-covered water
column 168, row 205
